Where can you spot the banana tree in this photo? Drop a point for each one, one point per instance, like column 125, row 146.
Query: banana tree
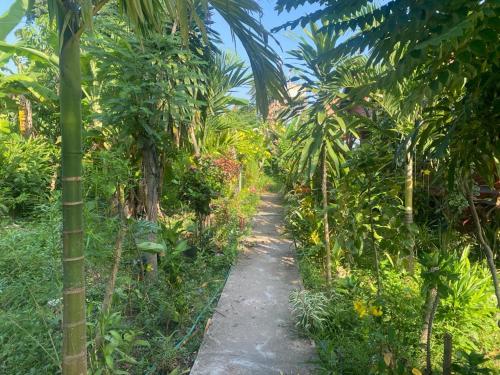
column 12, row 17
column 18, row 86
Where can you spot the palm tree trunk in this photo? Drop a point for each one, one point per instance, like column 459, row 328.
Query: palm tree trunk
column 428, row 359
column 74, row 324
column 151, row 176
column 431, row 296
column 447, row 353
column 324, row 190
column 409, row 203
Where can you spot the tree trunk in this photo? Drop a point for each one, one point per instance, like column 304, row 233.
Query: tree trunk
column 428, row 369
column 484, row 244
column 74, row 324
column 429, row 301
column 151, row 176
column 447, row 353
column 324, row 190
column 25, row 117
column 194, row 141
column 177, row 136
column 240, row 178
column 95, row 105
column 409, row 204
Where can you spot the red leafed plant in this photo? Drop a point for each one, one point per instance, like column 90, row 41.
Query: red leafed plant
column 229, row 167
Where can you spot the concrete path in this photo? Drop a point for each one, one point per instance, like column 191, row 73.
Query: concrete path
column 252, row 331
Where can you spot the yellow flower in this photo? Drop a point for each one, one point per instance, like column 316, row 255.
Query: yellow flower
column 315, row 238
column 426, row 172
column 149, row 268
column 376, row 310
column 360, row 308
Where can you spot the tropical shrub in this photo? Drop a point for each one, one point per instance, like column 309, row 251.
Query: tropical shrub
column 200, row 185
column 27, row 172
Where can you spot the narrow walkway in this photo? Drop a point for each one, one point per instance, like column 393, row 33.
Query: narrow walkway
column 252, row 331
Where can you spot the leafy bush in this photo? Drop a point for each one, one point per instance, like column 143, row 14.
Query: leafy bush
column 27, row 168
column 360, row 332
column 200, row 185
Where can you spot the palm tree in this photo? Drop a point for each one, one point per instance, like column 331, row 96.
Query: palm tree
column 318, row 147
column 225, row 73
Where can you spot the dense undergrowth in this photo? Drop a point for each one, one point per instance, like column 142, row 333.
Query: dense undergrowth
column 389, row 157
column 361, row 327
column 371, row 317
column 154, row 326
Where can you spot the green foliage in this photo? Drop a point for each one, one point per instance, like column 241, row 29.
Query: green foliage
column 12, row 17
column 104, row 171
column 200, row 185
column 146, row 321
column 309, row 309
column 448, row 48
column 30, row 301
column 146, row 83
column 27, row 170
column 239, row 132
column 360, row 332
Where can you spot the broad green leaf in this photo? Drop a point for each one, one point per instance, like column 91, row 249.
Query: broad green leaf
column 12, row 17
column 151, row 247
column 29, row 53
column 321, row 116
column 181, row 246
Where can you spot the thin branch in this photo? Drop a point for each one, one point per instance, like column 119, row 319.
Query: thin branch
column 484, row 243
column 110, row 288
